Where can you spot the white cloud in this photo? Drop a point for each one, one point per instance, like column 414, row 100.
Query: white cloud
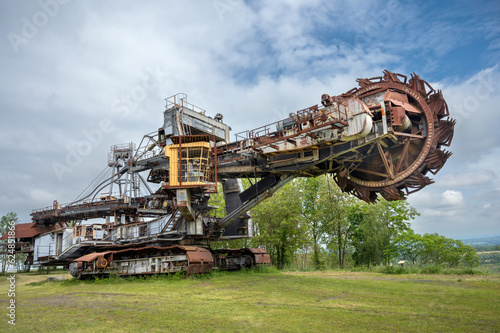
column 453, row 198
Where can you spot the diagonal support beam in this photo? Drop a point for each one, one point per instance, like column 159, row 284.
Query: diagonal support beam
column 403, row 155
column 249, row 204
column 388, row 168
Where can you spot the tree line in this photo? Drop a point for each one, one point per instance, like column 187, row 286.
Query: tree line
column 311, row 224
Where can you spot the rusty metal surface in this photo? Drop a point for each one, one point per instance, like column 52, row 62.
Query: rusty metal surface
column 97, row 208
column 258, row 256
column 143, row 260
column 200, row 261
column 92, row 256
column 397, row 140
column 400, row 169
column 261, row 257
column 200, row 256
column 30, row 230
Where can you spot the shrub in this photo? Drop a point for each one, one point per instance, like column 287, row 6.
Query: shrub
column 431, row 269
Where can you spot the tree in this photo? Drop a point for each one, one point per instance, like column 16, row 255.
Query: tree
column 339, row 211
column 407, row 245
column 440, row 250
column 6, row 222
column 311, row 210
column 279, row 224
column 434, row 249
column 379, row 224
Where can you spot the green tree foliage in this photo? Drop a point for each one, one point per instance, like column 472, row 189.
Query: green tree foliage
column 408, row 246
column 376, row 227
column 327, row 214
column 217, row 202
column 279, row 224
column 433, row 249
column 339, row 211
column 5, row 222
column 311, row 210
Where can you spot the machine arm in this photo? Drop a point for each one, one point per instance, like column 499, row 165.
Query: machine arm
column 255, row 195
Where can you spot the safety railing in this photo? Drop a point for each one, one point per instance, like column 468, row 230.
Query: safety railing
column 123, row 151
column 47, row 254
column 67, row 241
column 107, row 202
column 302, row 121
column 149, row 147
column 130, row 232
column 180, row 100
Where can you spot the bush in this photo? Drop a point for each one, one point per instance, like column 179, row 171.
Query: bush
column 431, row 269
column 399, row 270
column 464, row 271
column 266, row 269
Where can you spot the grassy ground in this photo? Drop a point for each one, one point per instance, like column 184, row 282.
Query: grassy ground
column 256, row 302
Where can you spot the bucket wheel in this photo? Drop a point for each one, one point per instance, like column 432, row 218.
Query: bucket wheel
column 396, row 165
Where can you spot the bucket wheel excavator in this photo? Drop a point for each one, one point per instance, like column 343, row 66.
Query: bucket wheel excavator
column 382, row 138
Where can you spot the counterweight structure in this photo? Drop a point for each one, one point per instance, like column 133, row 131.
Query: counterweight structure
column 381, row 138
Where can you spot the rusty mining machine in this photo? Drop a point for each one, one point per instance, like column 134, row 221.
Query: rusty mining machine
column 380, row 138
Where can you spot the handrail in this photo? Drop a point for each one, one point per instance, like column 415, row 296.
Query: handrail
column 64, row 208
column 149, row 149
column 180, row 99
column 49, row 251
column 65, row 241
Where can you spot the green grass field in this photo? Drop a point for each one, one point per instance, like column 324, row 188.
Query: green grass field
column 258, row 302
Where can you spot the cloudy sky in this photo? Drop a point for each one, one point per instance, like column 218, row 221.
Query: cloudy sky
column 79, row 76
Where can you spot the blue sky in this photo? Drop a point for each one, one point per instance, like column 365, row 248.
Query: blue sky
column 70, row 67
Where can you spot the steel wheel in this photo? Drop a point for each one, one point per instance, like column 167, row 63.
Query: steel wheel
column 396, row 166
